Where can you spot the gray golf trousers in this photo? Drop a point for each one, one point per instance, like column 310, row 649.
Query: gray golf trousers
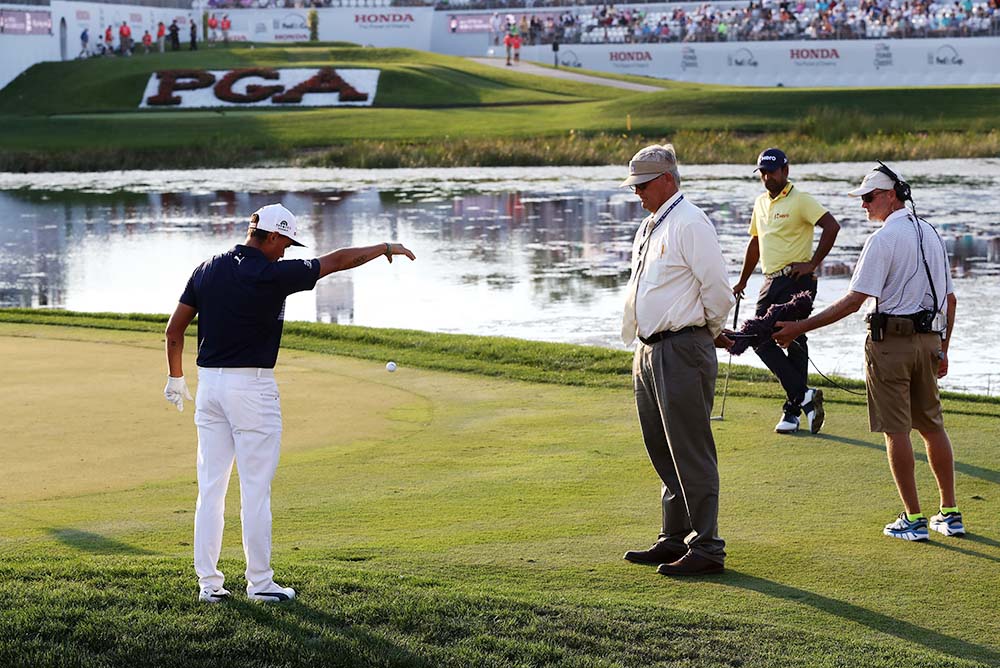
column 674, row 388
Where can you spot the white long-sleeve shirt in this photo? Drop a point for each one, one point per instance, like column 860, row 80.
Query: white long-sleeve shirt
column 683, row 280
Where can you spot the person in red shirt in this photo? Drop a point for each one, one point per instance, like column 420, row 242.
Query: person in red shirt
column 213, row 24
column 125, row 39
column 161, row 36
column 147, row 41
column 109, row 40
column 226, row 25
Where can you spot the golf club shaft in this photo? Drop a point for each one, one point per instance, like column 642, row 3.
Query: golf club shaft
column 729, row 367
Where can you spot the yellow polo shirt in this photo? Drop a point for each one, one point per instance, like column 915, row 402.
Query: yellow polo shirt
column 784, row 227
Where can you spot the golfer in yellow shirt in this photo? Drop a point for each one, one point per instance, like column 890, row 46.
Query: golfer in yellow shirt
column 781, row 239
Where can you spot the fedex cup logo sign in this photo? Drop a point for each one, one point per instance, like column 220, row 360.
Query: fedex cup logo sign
column 383, row 20
column 945, row 55
column 323, row 87
column 291, row 28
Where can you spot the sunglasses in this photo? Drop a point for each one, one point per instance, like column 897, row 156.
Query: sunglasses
column 642, row 186
column 868, row 198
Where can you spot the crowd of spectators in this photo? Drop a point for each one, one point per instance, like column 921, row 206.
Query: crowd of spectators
column 307, row 4
column 766, row 20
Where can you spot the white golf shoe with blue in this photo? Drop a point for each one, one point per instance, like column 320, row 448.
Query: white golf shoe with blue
column 948, row 524
column 907, row 529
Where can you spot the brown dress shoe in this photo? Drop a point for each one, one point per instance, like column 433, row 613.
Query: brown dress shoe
column 691, row 564
column 660, row 553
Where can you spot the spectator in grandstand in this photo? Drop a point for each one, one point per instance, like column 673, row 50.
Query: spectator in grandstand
column 84, row 43
column 161, row 36
column 194, row 35
column 213, row 25
column 147, row 41
column 175, row 36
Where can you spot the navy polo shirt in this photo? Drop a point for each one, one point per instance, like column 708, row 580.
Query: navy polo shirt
column 240, row 299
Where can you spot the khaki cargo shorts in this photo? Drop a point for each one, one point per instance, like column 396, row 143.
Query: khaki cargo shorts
column 901, row 375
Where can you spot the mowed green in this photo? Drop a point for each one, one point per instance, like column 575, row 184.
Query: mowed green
column 432, row 518
column 84, row 114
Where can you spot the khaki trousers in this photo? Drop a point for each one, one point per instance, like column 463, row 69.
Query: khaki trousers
column 674, row 388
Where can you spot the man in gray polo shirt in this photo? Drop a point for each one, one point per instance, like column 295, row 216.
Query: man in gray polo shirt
column 904, row 268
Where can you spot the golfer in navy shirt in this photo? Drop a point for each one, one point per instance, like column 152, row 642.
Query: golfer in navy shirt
column 239, row 297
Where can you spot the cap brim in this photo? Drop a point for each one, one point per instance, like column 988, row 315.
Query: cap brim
column 765, row 168
column 294, row 242
column 636, row 179
column 862, row 190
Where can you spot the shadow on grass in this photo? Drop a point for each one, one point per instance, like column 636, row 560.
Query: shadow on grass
column 93, row 543
column 911, row 633
column 954, row 547
column 351, row 643
column 989, row 475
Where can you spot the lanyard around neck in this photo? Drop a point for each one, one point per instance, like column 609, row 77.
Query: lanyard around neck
column 650, row 228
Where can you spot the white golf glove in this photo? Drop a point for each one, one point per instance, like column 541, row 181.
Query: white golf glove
column 176, row 392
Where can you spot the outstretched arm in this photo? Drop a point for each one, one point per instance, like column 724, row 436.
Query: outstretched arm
column 349, row 258
column 786, row 332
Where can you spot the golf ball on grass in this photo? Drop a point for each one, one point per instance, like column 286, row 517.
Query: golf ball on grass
column 390, row 367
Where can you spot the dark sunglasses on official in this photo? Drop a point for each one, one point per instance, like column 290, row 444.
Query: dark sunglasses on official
column 868, row 198
column 642, row 186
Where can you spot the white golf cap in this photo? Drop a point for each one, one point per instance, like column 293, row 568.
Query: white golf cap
column 874, row 180
column 276, row 218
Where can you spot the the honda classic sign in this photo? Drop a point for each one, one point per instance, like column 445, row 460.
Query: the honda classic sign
column 383, row 20
column 261, row 87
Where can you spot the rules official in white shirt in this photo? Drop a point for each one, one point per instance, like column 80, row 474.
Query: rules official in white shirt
column 678, row 298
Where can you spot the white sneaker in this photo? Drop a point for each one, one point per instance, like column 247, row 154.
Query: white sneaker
column 812, row 406
column 274, row 594
column 948, row 524
column 213, row 595
column 789, row 424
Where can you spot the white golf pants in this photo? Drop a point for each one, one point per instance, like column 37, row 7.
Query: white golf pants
column 238, row 415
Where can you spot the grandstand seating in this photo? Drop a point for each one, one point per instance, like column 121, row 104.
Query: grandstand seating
column 766, row 20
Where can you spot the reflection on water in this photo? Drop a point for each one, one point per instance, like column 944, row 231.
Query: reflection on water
column 537, row 253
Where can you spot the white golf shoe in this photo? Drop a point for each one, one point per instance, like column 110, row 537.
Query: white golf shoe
column 812, row 406
column 272, row 594
column 788, row 424
column 213, row 595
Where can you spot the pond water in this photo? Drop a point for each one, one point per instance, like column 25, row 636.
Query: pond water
column 535, row 253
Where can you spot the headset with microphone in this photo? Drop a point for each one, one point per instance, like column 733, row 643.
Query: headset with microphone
column 901, row 187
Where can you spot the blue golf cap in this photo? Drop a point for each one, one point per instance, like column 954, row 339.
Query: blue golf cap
column 771, row 159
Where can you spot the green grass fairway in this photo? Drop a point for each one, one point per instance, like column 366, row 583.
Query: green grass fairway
column 84, row 115
column 449, row 518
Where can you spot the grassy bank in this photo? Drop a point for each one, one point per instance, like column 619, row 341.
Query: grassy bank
column 433, row 518
column 434, row 110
